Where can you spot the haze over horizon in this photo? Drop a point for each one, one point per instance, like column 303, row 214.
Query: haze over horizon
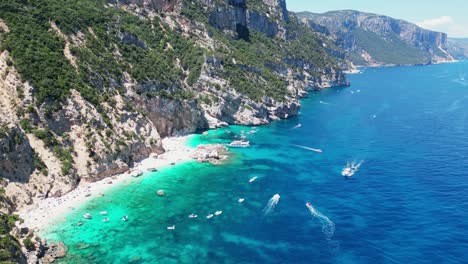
column 448, row 16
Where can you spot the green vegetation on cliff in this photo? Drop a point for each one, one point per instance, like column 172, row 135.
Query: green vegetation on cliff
column 114, row 42
column 9, row 246
column 107, row 42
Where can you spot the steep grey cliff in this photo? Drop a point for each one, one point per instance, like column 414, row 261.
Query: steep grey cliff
column 372, row 39
column 458, row 48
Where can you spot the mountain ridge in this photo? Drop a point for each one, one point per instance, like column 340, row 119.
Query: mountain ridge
column 375, row 40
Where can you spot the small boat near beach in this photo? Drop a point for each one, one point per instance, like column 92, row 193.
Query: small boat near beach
column 209, row 216
column 171, row 227
column 218, row 213
column 87, row 216
column 241, row 200
column 239, row 144
column 253, row 179
column 125, row 218
column 103, row 213
column 193, row 216
column 105, row 219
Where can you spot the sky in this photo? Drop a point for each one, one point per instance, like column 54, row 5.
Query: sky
column 449, row 16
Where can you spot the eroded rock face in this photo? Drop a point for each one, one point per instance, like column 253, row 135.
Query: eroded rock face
column 16, row 157
column 278, row 6
column 231, row 16
column 173, row 117
column 262, row 23
column 392, row 36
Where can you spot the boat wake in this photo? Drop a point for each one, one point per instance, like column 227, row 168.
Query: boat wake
column 271, row 204
column 297, row 126
column 351, row 168
column 308, row 148
column 328, row 227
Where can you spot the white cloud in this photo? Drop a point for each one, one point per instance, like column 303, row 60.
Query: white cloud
column 445, row 24
column 440, row 21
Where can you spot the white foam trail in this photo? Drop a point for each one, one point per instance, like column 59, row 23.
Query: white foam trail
column 271, row 204
column 325, row 103
column 297, row 126
column 328, row 227
column 351, row 168
column 308, row 148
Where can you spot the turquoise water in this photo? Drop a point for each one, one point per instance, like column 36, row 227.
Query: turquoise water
column 406, row 203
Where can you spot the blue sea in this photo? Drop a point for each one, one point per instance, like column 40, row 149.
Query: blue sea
column 407, row 203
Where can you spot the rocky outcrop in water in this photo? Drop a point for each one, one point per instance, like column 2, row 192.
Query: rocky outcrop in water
column 214, row 153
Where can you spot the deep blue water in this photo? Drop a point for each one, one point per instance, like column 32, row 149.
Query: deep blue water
column 407, row 203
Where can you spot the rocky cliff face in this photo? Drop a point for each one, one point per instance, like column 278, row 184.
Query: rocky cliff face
column 458, row 48
column 235, row 16
column 372, row 39
column 164, row 68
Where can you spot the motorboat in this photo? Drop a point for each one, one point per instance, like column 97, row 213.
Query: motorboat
column 171, row 227
column 209, row 216
column 241, row 200
column 125, row 218
column 103, row 213
column 347, row 172
column 218, row 213
column 87, row 216
column 193, row 216
column 105, row 219
column 239, row 144
column 253, row 179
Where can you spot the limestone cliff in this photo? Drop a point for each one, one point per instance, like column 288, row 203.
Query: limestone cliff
column 372, row 39
column 458, row 48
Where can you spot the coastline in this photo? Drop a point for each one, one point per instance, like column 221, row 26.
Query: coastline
column 44, row 213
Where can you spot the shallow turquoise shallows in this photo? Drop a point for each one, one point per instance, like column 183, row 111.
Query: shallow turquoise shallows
column 407, row 203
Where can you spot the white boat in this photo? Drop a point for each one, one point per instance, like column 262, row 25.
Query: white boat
column 209, row 216
column 193, row 216
column 87, row 216
column 105, row 219
column 350, row 169
column 239, row 144
column 171, row 227
column 218, row 213
column 241, row 200
column 125, row 218
column 347, row 172
column 103, row 213
column 253, row 179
